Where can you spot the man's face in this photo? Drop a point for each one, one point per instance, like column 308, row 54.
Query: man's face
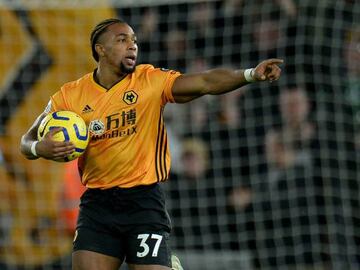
column 119, row 47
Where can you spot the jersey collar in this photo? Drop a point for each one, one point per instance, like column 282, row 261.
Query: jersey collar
column 117, row 84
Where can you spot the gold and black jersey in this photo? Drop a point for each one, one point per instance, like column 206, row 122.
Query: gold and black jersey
column 128, row 141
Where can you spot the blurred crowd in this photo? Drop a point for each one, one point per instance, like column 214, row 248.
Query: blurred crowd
column 270, row 169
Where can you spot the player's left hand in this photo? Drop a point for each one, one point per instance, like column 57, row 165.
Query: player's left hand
column 268, row 70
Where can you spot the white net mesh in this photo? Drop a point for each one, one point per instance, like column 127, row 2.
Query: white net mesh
column 262, row 178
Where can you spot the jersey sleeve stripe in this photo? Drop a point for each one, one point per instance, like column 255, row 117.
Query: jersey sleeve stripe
column 164, row 160
column 157, row 151
column 161, row 151
column 161, row 161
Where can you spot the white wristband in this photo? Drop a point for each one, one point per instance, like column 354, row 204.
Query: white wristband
column 32, row 149
column 248, row 74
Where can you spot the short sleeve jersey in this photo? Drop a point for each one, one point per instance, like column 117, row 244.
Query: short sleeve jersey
column 128, row 143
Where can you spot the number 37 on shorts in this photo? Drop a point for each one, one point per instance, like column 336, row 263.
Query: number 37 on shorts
column 149, row 243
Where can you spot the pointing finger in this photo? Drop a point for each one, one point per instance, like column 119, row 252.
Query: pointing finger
column 274, row 61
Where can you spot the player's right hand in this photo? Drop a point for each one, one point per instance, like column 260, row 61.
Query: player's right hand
column 54, row 150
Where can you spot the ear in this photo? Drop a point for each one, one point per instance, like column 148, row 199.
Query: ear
column 99, row 48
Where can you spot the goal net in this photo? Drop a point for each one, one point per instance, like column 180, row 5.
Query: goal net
column 265, row 177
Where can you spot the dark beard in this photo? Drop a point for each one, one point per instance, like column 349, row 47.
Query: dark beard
column 127, row 70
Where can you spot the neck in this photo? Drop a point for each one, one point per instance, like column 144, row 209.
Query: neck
column 108, row 78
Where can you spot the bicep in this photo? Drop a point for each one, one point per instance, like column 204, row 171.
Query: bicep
column 188, row 87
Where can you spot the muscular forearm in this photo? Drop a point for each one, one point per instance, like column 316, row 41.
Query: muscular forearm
column 25, row 146
column 29, row 138
column 220, row 81
column 212, row 82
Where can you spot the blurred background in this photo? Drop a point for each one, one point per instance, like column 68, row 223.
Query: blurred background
column 266, row 177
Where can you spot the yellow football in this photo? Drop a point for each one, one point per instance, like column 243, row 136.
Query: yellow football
column 74, row 129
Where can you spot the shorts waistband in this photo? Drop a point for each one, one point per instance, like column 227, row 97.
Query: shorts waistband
column 119, row 190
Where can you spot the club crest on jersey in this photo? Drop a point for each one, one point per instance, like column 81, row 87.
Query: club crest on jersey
column 97, row 127
column 130, row 97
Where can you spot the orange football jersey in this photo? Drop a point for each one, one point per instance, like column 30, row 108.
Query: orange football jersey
column 128, row 142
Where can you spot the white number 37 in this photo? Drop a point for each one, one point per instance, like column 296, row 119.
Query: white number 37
column 146, row 247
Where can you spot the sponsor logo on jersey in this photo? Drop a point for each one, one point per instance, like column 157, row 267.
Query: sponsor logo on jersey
column 97, row 127
column 119, row 124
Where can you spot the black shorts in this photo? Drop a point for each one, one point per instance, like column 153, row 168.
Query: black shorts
column 129, row 224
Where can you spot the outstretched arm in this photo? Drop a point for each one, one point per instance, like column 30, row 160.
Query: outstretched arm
column 46, row 148
column 219, row 81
